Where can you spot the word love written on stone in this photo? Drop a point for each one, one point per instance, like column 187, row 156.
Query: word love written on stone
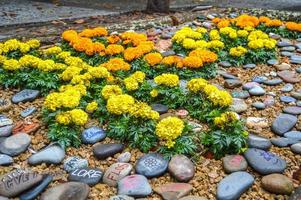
column 91, row 173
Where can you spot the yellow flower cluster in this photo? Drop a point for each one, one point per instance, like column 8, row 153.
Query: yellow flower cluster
column 68, row 97
column 197, row 84
column 169, row 129
column 52, row 50
column 23, row 47
column 225, row 119
column 187, row 33
column 216, row 96
column 238, row 51
column 153, row 58
column 170, row 80
column 91, row 107
column 132, row 82
column 126, row 104
column 76, row 116
column 33, row 62
column 154, row 93
column 258, row 39
column 110, row 90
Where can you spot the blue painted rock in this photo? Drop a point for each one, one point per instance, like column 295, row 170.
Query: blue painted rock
column 293, row 134
column 28, row 111
column 5, row 160
column 151, row 165
column 234, row 185
column 258, row 142
column 93, row 135
column 74, row 162
column 25, row 95
column 52, row 154
column 15, row 144
column 283, row 123
column 264, row 162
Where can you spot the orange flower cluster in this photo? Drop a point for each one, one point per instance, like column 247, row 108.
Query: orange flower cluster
column 114, row 49
column 173, row 60
column 205, row 55
column 113, row 39
column 153, row 58
column 192, row 62
column 246, row 21
column 223, row 23
column 132, row 53
column 273, row 23
column 82, row 42
column 293, row 26
column 95, row 32
column 115, row 64
column 133, row 38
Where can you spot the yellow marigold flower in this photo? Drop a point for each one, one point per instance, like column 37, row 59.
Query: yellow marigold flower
column 218, row 97
column 205, row 55
column 70, row 72
column 69, row 98
column 216, row 44
column 11, row 65
column 256, row 44
column 99, row 72
column 114, row 49
column 63, row 118
column 170, row 80
column 2, row 59
column 138, row 76
column 225, row 119
column 238, row 51
column 91, row 107
column 242, row 33
column 142, row 110
column 201, row 44
column 24, row 48
column 81, row 88
column 153, row 58
column 52, row 101
column 196, row 84
column 270, row 43
column 154, row 93
column 192, row 62
column 131, row 84
column 79, row 117
column 201, row 30
column 110, row 90
column 214, row 35
column 120, row 104
column 64, row 54
column 189, row 43
column 34, row 43
column 169, row 129
column 53, row 50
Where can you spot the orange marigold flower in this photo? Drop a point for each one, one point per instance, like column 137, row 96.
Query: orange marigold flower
column 192, row 62
column 153, row 58
column 115, row 64
column 293, row 26
column 205, row 55
column 223, row 23
column 216, row 20
column 263, row 19
column 274, row 23
column 171, row 60
column 134, row 38
column 113, row 39
column 247, row 20
column 69, row 35
column 114, row 49
column 96, row 32
column 98, row 47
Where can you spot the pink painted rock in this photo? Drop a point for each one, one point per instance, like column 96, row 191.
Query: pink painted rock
column 172, row 191
column 234, row 163
column 289, row 76
column 182, row 113
column 116, row 172
column 181, row 168
column 134, row 185
column 163, row 45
